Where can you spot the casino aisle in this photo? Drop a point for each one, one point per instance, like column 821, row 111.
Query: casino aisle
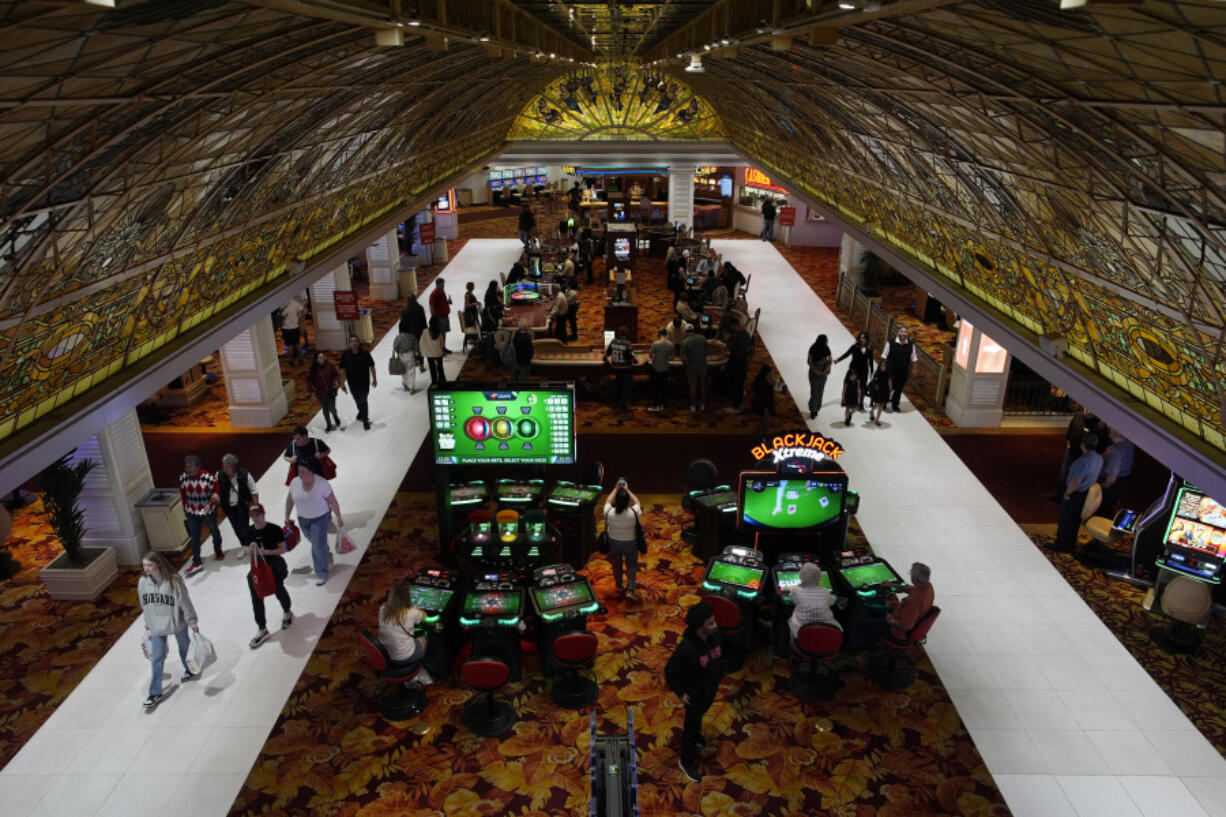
column 1066, row 720
column 101, row 753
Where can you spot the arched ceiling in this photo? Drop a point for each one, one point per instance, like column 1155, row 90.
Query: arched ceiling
column 162, row 160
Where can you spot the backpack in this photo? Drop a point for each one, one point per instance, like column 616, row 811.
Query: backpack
column 507, row 354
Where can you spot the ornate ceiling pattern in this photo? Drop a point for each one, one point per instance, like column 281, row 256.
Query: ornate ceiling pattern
column 617, row 102
column 160, row 160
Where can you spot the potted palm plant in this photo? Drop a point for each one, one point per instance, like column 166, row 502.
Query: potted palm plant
column 79, row 573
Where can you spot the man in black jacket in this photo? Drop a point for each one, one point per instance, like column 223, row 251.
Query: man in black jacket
column 693, row 674
column 412, row 318
column 527, row 222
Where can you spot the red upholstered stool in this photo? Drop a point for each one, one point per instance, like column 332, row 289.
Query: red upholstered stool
column 403, row 703
column 818, row 644
column 731, row 630
column 575, row 687
column 894, row 666
column 483, row 715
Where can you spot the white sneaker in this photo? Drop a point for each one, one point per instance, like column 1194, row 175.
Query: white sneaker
column 259, row 639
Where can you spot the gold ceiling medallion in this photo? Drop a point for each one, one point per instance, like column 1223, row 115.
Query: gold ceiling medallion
column 616, row 102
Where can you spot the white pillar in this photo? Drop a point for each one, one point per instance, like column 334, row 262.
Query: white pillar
column 977, row 380
column 681, row 194
column 383, row 264
column 329, row 332
column 849, row 258
column 120, row 478
column 256, row 392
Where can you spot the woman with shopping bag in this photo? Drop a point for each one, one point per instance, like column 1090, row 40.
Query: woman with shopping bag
column 312, row 496
column 168, row 611
column 268, row 572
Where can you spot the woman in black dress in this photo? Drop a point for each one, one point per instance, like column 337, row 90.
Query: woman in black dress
column 861, row 353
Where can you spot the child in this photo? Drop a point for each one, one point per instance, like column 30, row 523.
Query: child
column 851, row 395
column 878, row 394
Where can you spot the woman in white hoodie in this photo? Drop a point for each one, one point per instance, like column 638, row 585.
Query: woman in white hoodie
column 168, row 611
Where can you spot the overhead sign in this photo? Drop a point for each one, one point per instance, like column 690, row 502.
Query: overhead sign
column 346, row 305
column 787, row 216
column 757, row 178
column 801, row 444
column 427, row 233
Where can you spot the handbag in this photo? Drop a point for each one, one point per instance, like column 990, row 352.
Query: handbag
column 293, row 472
column 327, row 468
column 640, row 536
column 200, row 653
column 344, row 544
column 146, row 645
column 395, row 365
column 263, row 580
column 292, row 535
column 602, row 542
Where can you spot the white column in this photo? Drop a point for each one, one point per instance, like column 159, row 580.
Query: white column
column 849, row 258
column 977, row 380
column 254, row 386
column 383, row 263
column 329, row 332
column 681, row 194
column 119, row 480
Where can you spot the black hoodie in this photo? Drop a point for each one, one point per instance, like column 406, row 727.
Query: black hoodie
column 694, row 669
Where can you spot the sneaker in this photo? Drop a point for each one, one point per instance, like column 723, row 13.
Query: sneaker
column 690, row 771
column 327, row 429
column 193, row 569
column 631, row 596
column 366, row 425
column 151, row 701
column 287, row 619
column 878, row 422
column 319, row 580
column 220, row 554
column 259, row 639
column 187, row 676
column 813, row 415
column 240, row 552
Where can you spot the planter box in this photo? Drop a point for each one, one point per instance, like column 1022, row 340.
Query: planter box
column 81, row 583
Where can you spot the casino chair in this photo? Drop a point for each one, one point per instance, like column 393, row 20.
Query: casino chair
column 817, row 644
column 893, row 668
column 732, row 631
column 403, row 703
column 483, row 715
column 472, row 333
column 700, row 475
column 575, row 687
column 1189, row 603
column 1098, row 528
column 593, row 473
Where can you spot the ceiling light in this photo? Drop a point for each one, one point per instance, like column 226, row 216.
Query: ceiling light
column 847, row 5
column 485, row 38
column 695, row 66
column 414, row 19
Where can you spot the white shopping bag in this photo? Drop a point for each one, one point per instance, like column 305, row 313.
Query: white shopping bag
column 200, row 654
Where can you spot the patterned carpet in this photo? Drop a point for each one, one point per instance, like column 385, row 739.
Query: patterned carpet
column 331, row 754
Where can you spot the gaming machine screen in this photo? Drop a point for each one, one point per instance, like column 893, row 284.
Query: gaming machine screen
column 519, row 426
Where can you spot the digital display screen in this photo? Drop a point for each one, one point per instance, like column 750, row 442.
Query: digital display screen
column 740, row 575
column 787, row 579
column 771, row 502
column 510, row 490
column 562, row 595
column 492, row 603
column 1198, row 524
column 444, row 203
column 621, row 249
column 866, row 575
column 725, row 186
column 573, row 494
column 431, row 598
column 619, row 212
column 475, row 425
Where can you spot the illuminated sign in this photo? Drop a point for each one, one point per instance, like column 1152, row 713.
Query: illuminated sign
column 802, row 444
column 755, row 176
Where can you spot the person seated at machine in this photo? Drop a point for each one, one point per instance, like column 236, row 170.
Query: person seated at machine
column 901, row 617
column 519, row 270
column 398, row 617
column 813, row 602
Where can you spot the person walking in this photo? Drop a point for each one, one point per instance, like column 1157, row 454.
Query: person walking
column 313, row 497
column 861, row 353
column 291, row 321
column 819, row 370
column 897, row 358
column 440, row 307
column 527, row 223
column 431, row 345
column 167, row 610
column 304, row 450
column 413, row 318
column 408, row 348
column 325, row 380
column 267, row 543
column 236, row 493
column 851, row 395
column 878, row 394
column 621, row 519
column 198, row 488
column 360, row 376
column 693, row 674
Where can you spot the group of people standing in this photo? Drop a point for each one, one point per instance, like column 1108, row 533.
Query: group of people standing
column 881, row 381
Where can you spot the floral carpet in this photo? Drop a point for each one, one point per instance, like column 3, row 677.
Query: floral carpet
column 889, row 754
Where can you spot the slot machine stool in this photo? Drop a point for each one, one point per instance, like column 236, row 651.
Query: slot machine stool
column 483, row 715
column 403, row 703
column 731, row 630
column 1189, row 603
column 818, row 645
column 893, row 668
column 575, row 687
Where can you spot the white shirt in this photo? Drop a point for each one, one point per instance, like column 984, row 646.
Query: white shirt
column 313, row 503
column 620, row 526
column 812, row 607
column 291, row 313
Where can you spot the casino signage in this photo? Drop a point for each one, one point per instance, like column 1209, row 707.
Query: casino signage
column 798, row 445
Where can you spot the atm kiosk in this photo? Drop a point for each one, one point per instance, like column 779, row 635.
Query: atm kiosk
column 562, row 600
column 492, row 616
column 435, row 591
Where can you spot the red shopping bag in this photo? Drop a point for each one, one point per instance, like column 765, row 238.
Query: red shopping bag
column 262, row 577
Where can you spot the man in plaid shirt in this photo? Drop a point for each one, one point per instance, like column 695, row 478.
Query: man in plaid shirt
column 198, row 487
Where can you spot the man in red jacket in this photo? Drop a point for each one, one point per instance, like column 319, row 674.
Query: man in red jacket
column 440, row 307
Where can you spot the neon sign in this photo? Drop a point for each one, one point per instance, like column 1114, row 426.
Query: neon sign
column 755, row 176
column 804, row 444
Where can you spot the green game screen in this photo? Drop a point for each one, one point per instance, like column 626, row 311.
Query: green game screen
column 431, row 598
column 864, row 575
column 483, row 426
column 791, row 578
column 771, row 502
column 573, row 494
column 562, row 595
column 750, row 577
column 492, row 603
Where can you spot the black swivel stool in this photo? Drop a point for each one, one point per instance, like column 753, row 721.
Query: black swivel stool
column 575, row 687
column 483, row 715
column 817, row 644
column 402, row 703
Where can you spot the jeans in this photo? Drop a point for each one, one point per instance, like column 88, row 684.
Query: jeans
column 1069, row 520
column 280, row 571
column 817, row 387
column 629, row 552
column 331, row 418
column 768, row 229
column 194, row 525
column 159, row 658
column 359, row 397
column 316, row 532
column 437, row 376
column 691, row 731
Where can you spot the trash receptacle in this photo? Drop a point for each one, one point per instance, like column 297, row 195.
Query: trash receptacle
column 161, row 511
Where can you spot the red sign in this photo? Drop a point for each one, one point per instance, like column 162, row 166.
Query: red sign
column 787, row 216
column 427, row 233
column 346, row 305
column 757, row 178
